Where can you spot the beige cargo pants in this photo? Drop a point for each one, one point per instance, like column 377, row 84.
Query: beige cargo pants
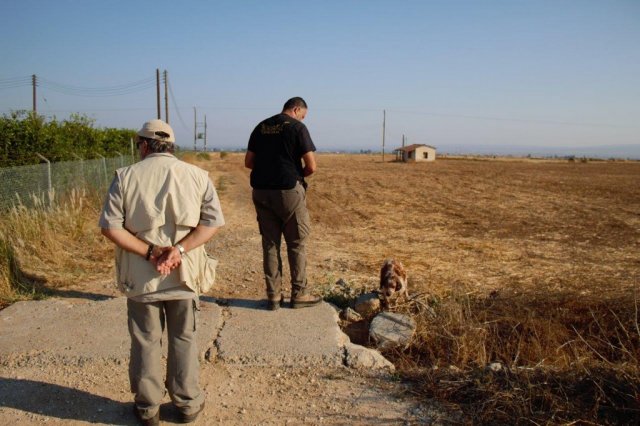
column 283, row 212
column 146, row 373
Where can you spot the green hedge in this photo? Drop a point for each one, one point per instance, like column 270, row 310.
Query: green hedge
column 24, row 133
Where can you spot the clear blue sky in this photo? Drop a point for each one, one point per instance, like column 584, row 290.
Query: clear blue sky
column 510, row 73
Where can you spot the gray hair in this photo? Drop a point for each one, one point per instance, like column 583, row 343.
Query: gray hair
column 156, row 146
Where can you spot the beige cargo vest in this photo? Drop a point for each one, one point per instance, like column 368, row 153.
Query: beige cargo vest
column 162, row 197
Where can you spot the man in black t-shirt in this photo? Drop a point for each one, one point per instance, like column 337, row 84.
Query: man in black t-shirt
column 277, row 148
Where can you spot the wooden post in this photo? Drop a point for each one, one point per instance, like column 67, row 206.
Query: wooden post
column 34, row 84
column 158, row 92
column 384, row 122
column 166, row 98
column 195, row 128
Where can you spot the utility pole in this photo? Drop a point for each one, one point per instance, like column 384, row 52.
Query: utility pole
column 166, row 97
column 195, row 128
column 158, row 91
column 34, row 83
column 197, row 135
column 384, row 122
column 205, row 133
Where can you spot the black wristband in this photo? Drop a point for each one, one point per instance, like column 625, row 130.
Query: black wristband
column 149, row 251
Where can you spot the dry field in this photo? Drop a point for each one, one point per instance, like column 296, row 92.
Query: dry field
column 480, row 227
column 534, row 265
column 531, row 264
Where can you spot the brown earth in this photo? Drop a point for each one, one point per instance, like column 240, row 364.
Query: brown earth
column 479, row 227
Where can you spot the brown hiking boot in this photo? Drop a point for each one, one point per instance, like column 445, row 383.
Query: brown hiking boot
column 189, row 418
column 274, row 305
column 151, row 421
column 304, row 301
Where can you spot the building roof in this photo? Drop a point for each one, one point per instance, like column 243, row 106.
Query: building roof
column 413, row 147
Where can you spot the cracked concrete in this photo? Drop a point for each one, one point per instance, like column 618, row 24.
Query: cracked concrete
column 60, row 331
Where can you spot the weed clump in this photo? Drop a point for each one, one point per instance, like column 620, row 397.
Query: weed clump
column 340, row 293
column 545, row 358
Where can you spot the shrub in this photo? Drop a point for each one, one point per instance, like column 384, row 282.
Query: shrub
column 203, row 156
column 24, row 133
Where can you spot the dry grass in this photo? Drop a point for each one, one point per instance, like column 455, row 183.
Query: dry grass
column 50, row 247
column 531, row 264
column 56, row 247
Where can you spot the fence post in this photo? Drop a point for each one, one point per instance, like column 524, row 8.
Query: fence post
column 81, row 166
column 48, row 170
column 49, row 186
column 121, row 159
column 104, row 166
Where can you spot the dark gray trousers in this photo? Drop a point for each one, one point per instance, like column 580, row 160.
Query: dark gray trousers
column 283, row 213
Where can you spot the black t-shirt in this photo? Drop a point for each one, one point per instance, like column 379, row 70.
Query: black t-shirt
column 279, row 142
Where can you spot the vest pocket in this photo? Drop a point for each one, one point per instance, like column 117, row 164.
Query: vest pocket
column 209, row 273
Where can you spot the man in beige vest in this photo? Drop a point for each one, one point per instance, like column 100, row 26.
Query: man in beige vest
column 159, row 213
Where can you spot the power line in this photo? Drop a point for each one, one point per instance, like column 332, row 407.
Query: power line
column 173, row 100
column 516, row 120
column 11, row 83
column 117, row 90
column 71, row 90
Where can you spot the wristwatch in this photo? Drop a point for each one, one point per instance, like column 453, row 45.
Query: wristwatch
column 180, row 249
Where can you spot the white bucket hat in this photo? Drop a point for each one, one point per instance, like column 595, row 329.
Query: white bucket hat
column 158, row 130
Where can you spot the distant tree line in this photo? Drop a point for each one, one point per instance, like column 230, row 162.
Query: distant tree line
column 23, row 134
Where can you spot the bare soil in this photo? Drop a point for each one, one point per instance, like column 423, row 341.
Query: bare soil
column 480, row 227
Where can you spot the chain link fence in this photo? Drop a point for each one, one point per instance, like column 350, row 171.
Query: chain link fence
column 41, row 183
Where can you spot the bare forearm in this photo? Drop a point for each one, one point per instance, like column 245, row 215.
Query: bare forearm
column 309, row 164
column 126, row 241
column 249, row 160
column 198, row 236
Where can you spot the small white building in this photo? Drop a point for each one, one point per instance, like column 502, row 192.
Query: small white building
column 415, row 152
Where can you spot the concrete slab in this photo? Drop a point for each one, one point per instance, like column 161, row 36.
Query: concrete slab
column 253, row 335
column 74, row 331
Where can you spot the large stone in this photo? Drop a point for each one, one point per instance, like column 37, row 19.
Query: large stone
column 361, row 358
column 367, row 304
column 389, row 330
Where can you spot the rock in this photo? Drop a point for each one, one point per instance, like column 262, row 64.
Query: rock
column 367, row 304
column 350, row 315
column 361, row 358
column 390, row 330
column 494, row 366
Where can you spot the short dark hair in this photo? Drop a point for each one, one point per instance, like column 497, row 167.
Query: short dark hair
column 293, row 103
